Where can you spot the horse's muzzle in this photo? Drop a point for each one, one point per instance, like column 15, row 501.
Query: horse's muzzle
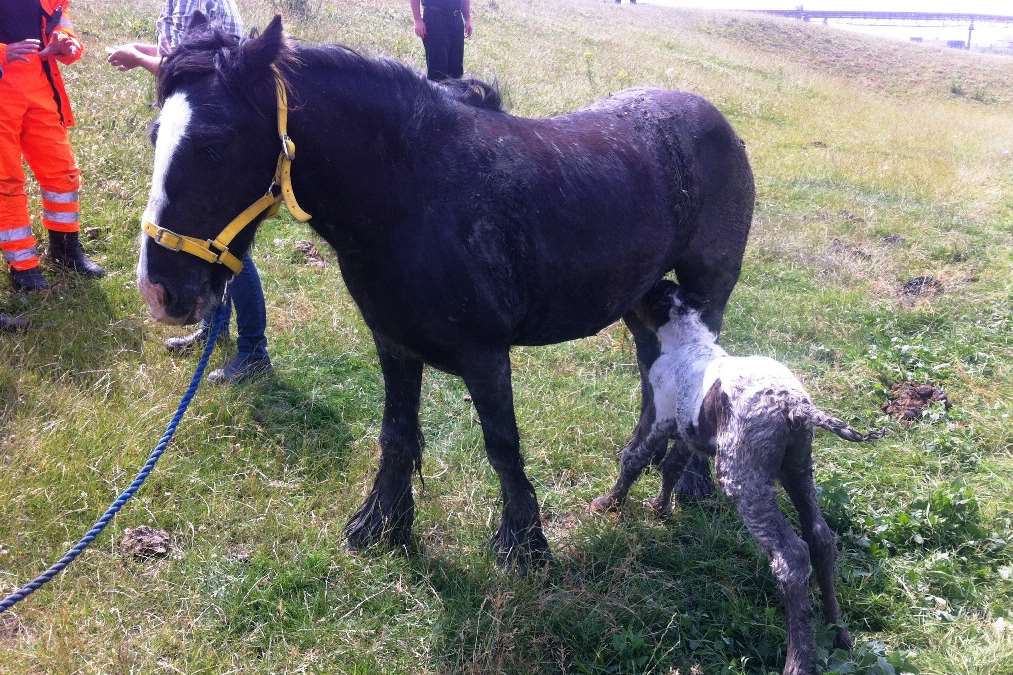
column 166, row 308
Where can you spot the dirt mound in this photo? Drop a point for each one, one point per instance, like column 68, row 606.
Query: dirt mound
column 145, row 542
column 920, row 288
column 908, row 400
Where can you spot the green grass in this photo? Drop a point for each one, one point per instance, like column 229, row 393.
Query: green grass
column 870, row 169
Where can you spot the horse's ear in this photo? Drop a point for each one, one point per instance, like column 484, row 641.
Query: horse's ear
column 198, row 22
column 259, row 52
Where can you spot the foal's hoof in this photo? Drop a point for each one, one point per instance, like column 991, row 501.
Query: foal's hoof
column 374, row 524
column 521, row 551
column 604, row 504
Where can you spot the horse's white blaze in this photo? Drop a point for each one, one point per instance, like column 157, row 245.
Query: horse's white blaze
column 172, row 126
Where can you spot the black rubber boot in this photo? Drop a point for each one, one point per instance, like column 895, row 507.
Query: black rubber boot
column 12, row 323
column 65, row 250
column 29, row 280
column 241, row 368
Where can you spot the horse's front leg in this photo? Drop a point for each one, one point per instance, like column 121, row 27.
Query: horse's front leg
column 388, row 511
column 519, row 539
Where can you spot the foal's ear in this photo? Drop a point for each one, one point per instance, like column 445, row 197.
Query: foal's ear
column 258, row 52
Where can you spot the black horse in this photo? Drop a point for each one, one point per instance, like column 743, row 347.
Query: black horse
column 460, row 230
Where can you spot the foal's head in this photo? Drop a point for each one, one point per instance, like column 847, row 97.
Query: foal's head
column 216, row 145
column 673, row 317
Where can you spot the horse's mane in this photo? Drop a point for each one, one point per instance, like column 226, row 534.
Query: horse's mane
column 212, row 51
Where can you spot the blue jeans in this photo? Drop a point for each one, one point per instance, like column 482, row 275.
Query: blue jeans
column 246, row 293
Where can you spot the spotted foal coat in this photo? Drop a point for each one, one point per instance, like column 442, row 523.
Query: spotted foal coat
column 756, row 419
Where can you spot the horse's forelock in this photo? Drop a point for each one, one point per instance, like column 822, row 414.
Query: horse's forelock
column 240, row 64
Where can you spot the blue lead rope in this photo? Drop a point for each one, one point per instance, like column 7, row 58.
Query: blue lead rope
column 17, row 596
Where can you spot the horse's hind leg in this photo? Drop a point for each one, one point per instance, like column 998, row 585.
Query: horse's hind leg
column 389, row 509
column 519, row 539
column 672, row 467
column 708, row 270
column 638, row 452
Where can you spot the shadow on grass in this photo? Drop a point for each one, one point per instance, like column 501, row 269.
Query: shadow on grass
column 76, row 333
column 309, row 428
column 629, row 597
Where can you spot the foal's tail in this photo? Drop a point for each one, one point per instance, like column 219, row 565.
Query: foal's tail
column 807, row 412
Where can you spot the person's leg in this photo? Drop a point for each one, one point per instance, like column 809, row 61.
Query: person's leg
column 436, row 44
column 16, row 239
column 251, row 359
column 47, row 150
column 247, row 295
column 455, row 46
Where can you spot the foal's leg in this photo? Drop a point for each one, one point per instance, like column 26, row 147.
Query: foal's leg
column 753, row 492
column 672, row 467
column 634, row 458
column 519, row 539
column 797, row 478
column 389, row 509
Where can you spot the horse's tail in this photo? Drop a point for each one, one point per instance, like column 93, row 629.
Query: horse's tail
column 805, row 411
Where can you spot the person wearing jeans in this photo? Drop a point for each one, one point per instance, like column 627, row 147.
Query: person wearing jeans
column 443, row 25
column 245, row 291
column 251, row 359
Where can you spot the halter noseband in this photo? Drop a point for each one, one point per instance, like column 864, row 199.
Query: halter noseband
column 217, row 250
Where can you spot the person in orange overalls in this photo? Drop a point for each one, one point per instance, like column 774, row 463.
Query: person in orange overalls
column 34, row 115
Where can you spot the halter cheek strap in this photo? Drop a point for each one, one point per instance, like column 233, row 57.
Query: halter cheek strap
column 216, row 251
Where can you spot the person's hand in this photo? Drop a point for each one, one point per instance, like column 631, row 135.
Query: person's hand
column 124, row 57
column 467, row 28
column 420, row 28
column 20, row 51
column 61, row 45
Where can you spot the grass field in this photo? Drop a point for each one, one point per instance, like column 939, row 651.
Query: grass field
column 875, row 163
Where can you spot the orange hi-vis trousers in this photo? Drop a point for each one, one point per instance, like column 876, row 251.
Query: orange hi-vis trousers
column 31, row 128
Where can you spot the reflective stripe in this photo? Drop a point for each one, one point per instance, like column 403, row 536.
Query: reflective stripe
column 17, row 233
column 23, row 254
column 60, row 197
column 60, row 216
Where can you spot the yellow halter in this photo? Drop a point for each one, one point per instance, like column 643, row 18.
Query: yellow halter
column 217, row 250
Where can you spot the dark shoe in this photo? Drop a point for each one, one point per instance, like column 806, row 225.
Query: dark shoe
column 65, row 250
column 12, row 323
column 241, row 368
column 29, row 280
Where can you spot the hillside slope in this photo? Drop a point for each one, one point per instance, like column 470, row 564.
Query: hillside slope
column 873, row 176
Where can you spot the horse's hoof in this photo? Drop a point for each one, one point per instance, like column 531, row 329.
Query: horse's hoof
column 843, row 640
column 604, row 504
column 521, row 552
column 694, row 485
column 662, row 508
column 375, row 523
column 798, row 665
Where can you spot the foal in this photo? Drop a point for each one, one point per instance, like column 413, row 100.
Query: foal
column 756, row 419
